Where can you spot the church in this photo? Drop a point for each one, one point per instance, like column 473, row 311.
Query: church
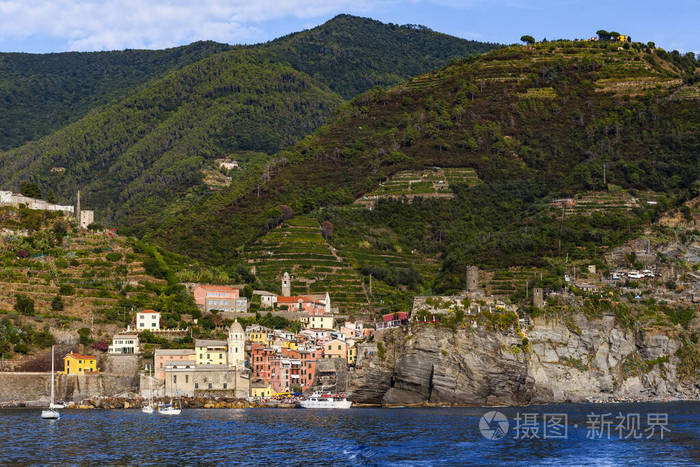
column 228, row 377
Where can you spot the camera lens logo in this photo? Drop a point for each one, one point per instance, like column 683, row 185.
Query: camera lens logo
column 493, row 425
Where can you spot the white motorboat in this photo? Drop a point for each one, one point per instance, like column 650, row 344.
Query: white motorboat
column 51, row 413
column 147, row 409
column 325, row 401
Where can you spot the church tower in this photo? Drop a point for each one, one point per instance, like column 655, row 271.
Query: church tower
column 236, row 346
column 286, row 285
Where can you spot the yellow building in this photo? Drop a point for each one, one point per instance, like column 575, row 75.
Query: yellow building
column 210, row 352
column 291, row 345
column 326, row 321
column 352, row 353
column 76, row 364
column 260, row 389
column 258, row 335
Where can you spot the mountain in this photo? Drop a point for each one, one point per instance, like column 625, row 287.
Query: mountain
column 615, row 130
column 40, row 93
column 160, row 142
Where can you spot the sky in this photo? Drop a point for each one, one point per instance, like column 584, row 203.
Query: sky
column 40, row 26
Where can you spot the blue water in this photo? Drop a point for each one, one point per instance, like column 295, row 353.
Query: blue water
column 424, row 436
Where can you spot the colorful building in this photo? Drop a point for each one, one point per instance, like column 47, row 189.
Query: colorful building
column 323, row 321
column 352, row 353
column 260, row 388
column 162, row 356
column 260, row 360
column 210, row 352
column 335, row 349
column 217, row 297
column 76, row 364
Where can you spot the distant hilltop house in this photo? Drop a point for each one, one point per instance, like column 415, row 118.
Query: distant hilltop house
column 612, row 36
column 227, row 164
column 83, row 216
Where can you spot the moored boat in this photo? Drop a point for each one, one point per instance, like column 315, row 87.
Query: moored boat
column 51, row 413
column 325, row 401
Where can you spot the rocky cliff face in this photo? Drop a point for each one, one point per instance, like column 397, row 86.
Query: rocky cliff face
column 572, row 361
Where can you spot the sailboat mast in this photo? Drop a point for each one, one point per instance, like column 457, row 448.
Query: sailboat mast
column 52, row 363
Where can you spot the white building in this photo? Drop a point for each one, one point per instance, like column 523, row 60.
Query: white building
column 8, row 198
column 267, row 299
column 148, row 319
column 125, row 344
column 325, row 321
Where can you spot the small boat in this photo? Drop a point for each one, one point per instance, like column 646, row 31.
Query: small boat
column 51, row 413
column 169, row 409
column 58, row 405
column 147, row 409
column 325, row 401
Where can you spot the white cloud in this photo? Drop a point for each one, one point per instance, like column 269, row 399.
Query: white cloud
column 118, row 24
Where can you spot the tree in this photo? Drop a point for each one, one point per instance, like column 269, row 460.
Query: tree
column 30, row 189
column 57, row 303
column 327, row 229
column 603, row 35
column 84, row 334
column 527, row 39
column 24, row 304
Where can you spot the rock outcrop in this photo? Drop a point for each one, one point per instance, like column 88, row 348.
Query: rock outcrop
column 575, row 360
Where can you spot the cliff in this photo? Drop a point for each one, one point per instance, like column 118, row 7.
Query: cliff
column 558, row 361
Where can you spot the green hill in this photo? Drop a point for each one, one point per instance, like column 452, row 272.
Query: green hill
column 40, row 93
column 535, row 124
column 132, row 157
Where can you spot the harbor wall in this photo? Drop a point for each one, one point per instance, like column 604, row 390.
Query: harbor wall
column 27, row 387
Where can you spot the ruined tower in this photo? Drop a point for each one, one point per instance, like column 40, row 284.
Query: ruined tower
column 472, row 278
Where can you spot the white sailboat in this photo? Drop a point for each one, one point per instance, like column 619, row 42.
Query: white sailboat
column 149, row 407
column 51, row 413
column 170, row 409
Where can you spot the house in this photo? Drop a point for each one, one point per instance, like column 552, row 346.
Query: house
column 162, row 356
column 352, row 330
column 326, row 321
column 257, row 333
column 393, row 320
column 228, row 164
column 335, row 349
column 260, row 358
column 267, row 299
column 285, row 374
column 309, row 358
column 125, row 344
column 260, row 388
column 148, row 320
column 217, row 297
column 76, row 364
column 352, row 353
column 210, row 352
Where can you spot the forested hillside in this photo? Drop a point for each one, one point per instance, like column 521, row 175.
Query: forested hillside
column 351, row 55
column 159, row 144
column 560, row 119
column 40, row 93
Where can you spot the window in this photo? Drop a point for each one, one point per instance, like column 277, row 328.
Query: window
column 225, row 385
column 196, row 385
column 174, row 378
column 187, row 378
column 209, row 385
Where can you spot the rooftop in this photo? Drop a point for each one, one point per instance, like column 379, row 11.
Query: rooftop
column 209, row 343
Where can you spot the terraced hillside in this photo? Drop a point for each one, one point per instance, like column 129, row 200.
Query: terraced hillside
column 298, row 247
column 591, row 202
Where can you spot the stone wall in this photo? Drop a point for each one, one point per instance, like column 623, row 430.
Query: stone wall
column 37, row 386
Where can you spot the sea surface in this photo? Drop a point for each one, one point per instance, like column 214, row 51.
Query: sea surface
column 576, row 434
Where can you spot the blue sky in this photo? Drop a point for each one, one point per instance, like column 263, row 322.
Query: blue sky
column 61, row 25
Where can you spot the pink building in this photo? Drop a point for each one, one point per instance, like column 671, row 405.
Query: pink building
column 285, row 374
column 216, row 297
column 351, row 330
column 260, row 360
column 162, row 356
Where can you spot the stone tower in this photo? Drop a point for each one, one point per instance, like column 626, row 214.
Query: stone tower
column 472, row 278
column 286, row 285
column 537, row 297
column 236, row 346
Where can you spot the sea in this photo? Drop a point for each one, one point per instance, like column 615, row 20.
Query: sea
column 562, row 434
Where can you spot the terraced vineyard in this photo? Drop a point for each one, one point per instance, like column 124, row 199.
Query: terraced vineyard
column 507, row 282
column 298, row 247
column 603, row 201
column 433, row 182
